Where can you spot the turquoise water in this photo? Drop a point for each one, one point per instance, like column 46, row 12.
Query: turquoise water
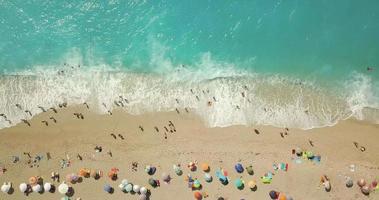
column 306, row 55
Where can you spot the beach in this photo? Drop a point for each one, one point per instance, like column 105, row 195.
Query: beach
column 339, row 146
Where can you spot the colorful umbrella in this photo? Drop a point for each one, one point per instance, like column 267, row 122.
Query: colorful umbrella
column 239, row 167
column 198, row 195
column 23, row 187
column 205, row 167
column 63, row 188
column 239, row 183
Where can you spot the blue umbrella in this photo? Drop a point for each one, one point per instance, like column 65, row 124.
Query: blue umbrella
column 239, row 168
column 108, row 188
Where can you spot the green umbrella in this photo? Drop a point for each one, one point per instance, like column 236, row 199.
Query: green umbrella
column 152, row 182
column 250, row 170
column 239, row 183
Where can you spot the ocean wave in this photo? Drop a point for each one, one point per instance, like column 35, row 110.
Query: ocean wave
column 238, row 97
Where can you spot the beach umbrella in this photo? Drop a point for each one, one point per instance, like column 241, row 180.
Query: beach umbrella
column 33, row 180
column 136, row 188
column 143, row 190
column 84, row 172
column 289, row 198
column 220, row 198
column 327, row 186
column 112, row 174
column 252, row 184
column 65, row 198
column 63, row 188
column 365, row 190
column 205, row 167
column 239, row 183
column 124, row 182
column 47, row 187
column 239, row 167
column 374, row 184
column 37, row 188
column 192, row 166
column 250, row 170
column 72, row 178
column 152, row 182
column 282, row 196
column 198, row 195
column 108, row 188
column 178, row 170
column 150, row 169
column 207, row 177
column 23, row 187
column 361, row 182
column 6, row 187
column 166, row 177
column 349, row 182
column 273, row 194
column 196, row 184
column 129, row 187
column 142, row 197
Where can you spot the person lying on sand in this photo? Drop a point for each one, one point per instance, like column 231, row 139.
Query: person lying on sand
column 256, row 131
column 113, row 135
column 122, row 137
column 87, row 106
column 45, row 122
column 311, row 142
column 156, row 129
column 54, row 120
column 140, row 127
column 177, row 110
column 25, row 121
column 79, row 157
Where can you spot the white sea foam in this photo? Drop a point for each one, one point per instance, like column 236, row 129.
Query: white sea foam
column 269, row 99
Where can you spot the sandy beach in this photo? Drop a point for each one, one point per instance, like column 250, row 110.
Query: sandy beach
column 191, row 141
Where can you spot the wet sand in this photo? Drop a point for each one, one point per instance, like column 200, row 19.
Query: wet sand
column 220, row 147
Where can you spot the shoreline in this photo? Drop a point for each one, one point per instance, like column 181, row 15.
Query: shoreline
column 220, row 147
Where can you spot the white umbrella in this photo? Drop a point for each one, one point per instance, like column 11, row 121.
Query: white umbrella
column 47, row 187
column 37, row 188
column 63, row 188
column 128, row 187
column 124, row 182
column 23, row 187
column 6, row 187
column 207, row 177
column 143, row 190
column 136, row 188
column 121, row 186
column 142, row 197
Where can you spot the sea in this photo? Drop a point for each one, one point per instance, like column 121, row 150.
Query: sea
column 286, row 63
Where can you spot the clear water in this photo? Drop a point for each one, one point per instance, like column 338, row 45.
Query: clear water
column 299, row 63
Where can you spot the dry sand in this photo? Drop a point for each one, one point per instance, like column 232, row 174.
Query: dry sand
column 220, row 147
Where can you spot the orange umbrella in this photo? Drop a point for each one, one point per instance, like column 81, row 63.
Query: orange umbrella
column 282, row 196
column 113, row 173
column 198, row 195
column 205, row 167
column 84, row 172
column 33, row 180
column 114, row 169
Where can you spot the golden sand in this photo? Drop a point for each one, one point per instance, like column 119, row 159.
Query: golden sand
column 192, row 141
